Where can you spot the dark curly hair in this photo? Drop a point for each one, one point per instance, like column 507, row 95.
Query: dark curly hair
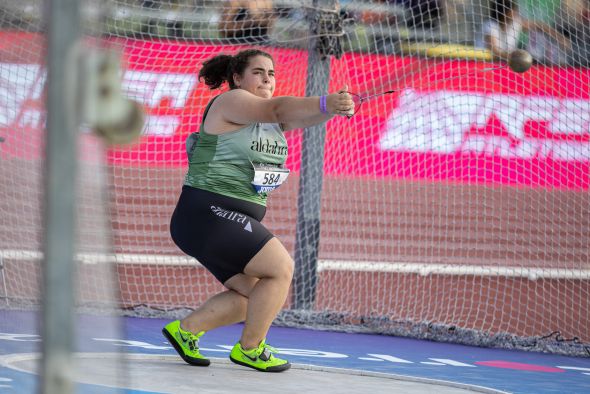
column 221, row 68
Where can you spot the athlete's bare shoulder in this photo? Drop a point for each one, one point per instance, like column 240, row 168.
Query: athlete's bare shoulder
column 216, row 122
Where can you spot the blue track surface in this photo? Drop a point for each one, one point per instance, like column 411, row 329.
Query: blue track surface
column 507, row 370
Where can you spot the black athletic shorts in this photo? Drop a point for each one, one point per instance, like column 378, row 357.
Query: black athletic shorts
column 221, row 232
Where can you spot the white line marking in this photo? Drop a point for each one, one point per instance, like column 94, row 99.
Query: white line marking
column 574, row 368
column 452, row 362
column 393, row 359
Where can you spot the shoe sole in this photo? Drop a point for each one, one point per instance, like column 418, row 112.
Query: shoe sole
column 276, row 368
column 199, row 362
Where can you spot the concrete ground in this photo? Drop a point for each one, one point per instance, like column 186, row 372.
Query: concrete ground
column 169, row 374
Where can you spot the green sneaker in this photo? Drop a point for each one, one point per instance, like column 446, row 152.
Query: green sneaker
column 260, row 358
column 185, row 343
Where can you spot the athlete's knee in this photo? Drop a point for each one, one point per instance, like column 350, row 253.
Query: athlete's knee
column 282, row 264
column 291, row 268
column 272, row 261
column 285, row 269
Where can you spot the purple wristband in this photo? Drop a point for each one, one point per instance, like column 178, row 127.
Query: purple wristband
column 323, row 105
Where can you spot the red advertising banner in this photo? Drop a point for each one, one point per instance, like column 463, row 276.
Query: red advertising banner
column 448, row 120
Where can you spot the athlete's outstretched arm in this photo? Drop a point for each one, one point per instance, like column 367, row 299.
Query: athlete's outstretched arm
column 291, row 112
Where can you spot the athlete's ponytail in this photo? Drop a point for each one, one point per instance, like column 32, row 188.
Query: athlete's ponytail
column 221, row 68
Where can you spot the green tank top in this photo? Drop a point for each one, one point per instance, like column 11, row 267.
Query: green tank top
column 224, row 163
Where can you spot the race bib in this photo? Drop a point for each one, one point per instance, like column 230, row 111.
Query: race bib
column 268, row 177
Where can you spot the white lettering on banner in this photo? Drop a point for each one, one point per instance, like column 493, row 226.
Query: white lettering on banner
column 158, row 89
column 21, row 87
column 161, row 125
column 491, row 124
column 159, row 93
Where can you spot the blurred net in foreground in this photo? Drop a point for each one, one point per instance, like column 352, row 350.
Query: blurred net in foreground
column 455, row 209
column 26, row 210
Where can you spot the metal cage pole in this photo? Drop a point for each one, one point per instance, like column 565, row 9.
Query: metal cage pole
column 325, row 42
column 63, row 29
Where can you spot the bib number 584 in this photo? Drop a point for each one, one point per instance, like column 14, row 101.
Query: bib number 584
column 271, row 178
column 267, row 179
